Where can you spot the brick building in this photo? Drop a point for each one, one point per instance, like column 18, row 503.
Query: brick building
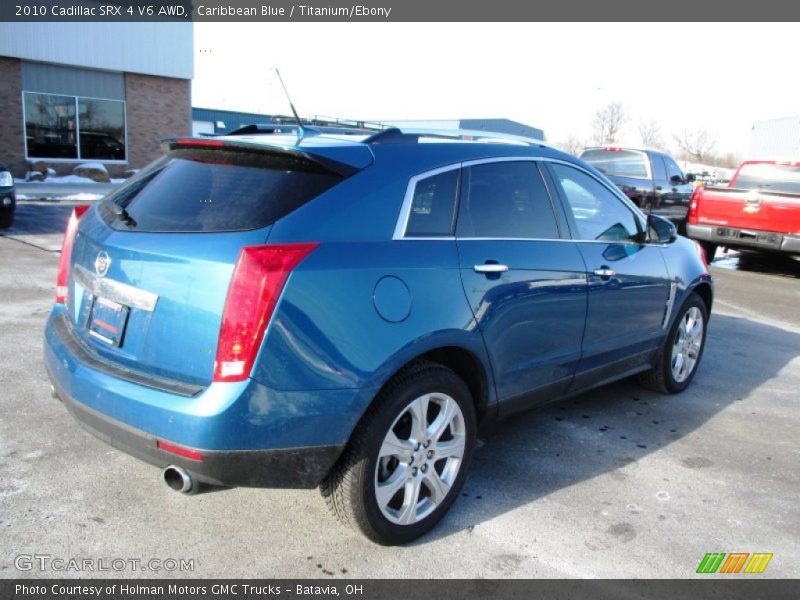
column 80, row 92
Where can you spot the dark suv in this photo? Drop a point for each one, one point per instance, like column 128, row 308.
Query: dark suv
column 652, row 179
column 344, row 311
column 8, row 198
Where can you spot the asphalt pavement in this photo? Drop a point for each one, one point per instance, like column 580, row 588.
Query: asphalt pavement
column 619, row 482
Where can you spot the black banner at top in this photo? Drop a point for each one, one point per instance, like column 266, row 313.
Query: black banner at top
column 395, row 10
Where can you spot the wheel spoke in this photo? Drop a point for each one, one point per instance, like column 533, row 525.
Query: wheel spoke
column 394, row 446
column 408, row 512
column 419, row 418
column 677, row 365
column 443, row 419
column 385, row 491
column 451, row 448
column 688, row 323
column 436, row 486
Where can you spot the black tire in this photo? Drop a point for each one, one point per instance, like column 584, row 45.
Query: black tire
column 709, row 249
column 350, row 488
column 661, row 378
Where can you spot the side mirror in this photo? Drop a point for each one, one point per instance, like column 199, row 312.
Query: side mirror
column 660, row 230
column 676, row 180
column 691, row 178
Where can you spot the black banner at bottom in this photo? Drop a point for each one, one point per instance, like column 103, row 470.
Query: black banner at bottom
column 715, row 587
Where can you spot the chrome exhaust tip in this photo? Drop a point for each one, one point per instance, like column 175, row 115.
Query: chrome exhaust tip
column 180, row 480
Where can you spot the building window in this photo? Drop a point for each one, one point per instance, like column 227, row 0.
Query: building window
column 71, row 127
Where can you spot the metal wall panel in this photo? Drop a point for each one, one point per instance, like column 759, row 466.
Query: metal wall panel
column 163, row 49
column 71, row 81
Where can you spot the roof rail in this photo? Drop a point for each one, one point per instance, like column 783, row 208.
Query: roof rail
column 396, row 135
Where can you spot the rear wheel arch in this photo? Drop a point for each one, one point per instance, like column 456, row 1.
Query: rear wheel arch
column 469, row 368
column 706, row 295
column 463, row 362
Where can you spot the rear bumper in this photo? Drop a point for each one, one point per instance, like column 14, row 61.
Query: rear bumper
column 745, row 238
column 280, row 468
column 248, row 433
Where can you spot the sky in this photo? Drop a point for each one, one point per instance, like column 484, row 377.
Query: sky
column 718, row 77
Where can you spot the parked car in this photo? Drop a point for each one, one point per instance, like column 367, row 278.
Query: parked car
column 759, row 210
column 345, row 312
column 652, row 179
column 8, row 198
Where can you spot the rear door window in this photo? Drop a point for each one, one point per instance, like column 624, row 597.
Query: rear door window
column 506, row 200
column 217, row 190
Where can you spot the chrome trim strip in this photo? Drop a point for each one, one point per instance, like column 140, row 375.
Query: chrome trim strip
column 114, row 290
column 405, row 209
column 673, row 289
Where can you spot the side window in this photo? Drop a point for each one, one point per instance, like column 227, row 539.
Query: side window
column 598, row 213
column 433, row 206
column 506, row 200
column 673, row 170
column 659, row 174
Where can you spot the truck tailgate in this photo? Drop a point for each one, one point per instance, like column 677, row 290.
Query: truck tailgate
column 750, row 209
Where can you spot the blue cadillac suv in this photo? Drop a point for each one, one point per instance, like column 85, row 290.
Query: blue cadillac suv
column 344, row 311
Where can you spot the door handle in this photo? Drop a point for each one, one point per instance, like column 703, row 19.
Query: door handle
column 605, row 272
column 490, row 268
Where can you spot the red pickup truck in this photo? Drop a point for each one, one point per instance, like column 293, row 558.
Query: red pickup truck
column 759, row 210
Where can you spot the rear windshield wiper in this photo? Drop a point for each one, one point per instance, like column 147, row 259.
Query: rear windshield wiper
column 119, row 212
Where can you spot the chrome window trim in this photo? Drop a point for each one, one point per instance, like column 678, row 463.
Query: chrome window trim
column 405, row 209
column 115, row 291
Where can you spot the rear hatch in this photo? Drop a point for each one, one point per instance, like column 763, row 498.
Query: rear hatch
column 763, row 197
column 628, row 169
column 152, row 263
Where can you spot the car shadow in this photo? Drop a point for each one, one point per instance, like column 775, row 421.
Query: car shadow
column 554, row 447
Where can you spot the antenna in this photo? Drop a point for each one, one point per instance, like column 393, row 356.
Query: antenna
column 300, row 131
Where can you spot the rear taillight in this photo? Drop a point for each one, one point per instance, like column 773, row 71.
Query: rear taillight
column 62, row 280
column 694, row 205
column 257, row 282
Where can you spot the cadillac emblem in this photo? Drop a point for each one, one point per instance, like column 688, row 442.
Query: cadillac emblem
column 101, row 263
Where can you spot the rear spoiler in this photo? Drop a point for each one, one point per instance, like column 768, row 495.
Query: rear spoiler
column 349, row 159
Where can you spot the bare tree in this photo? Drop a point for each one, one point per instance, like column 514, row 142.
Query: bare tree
column 572, row 145
column 696, row 143
column 608, row 121
column 650, row 132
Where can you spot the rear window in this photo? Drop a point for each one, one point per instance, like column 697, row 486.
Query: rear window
column 217, row 190
column 770, row 178
column 620, row 163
